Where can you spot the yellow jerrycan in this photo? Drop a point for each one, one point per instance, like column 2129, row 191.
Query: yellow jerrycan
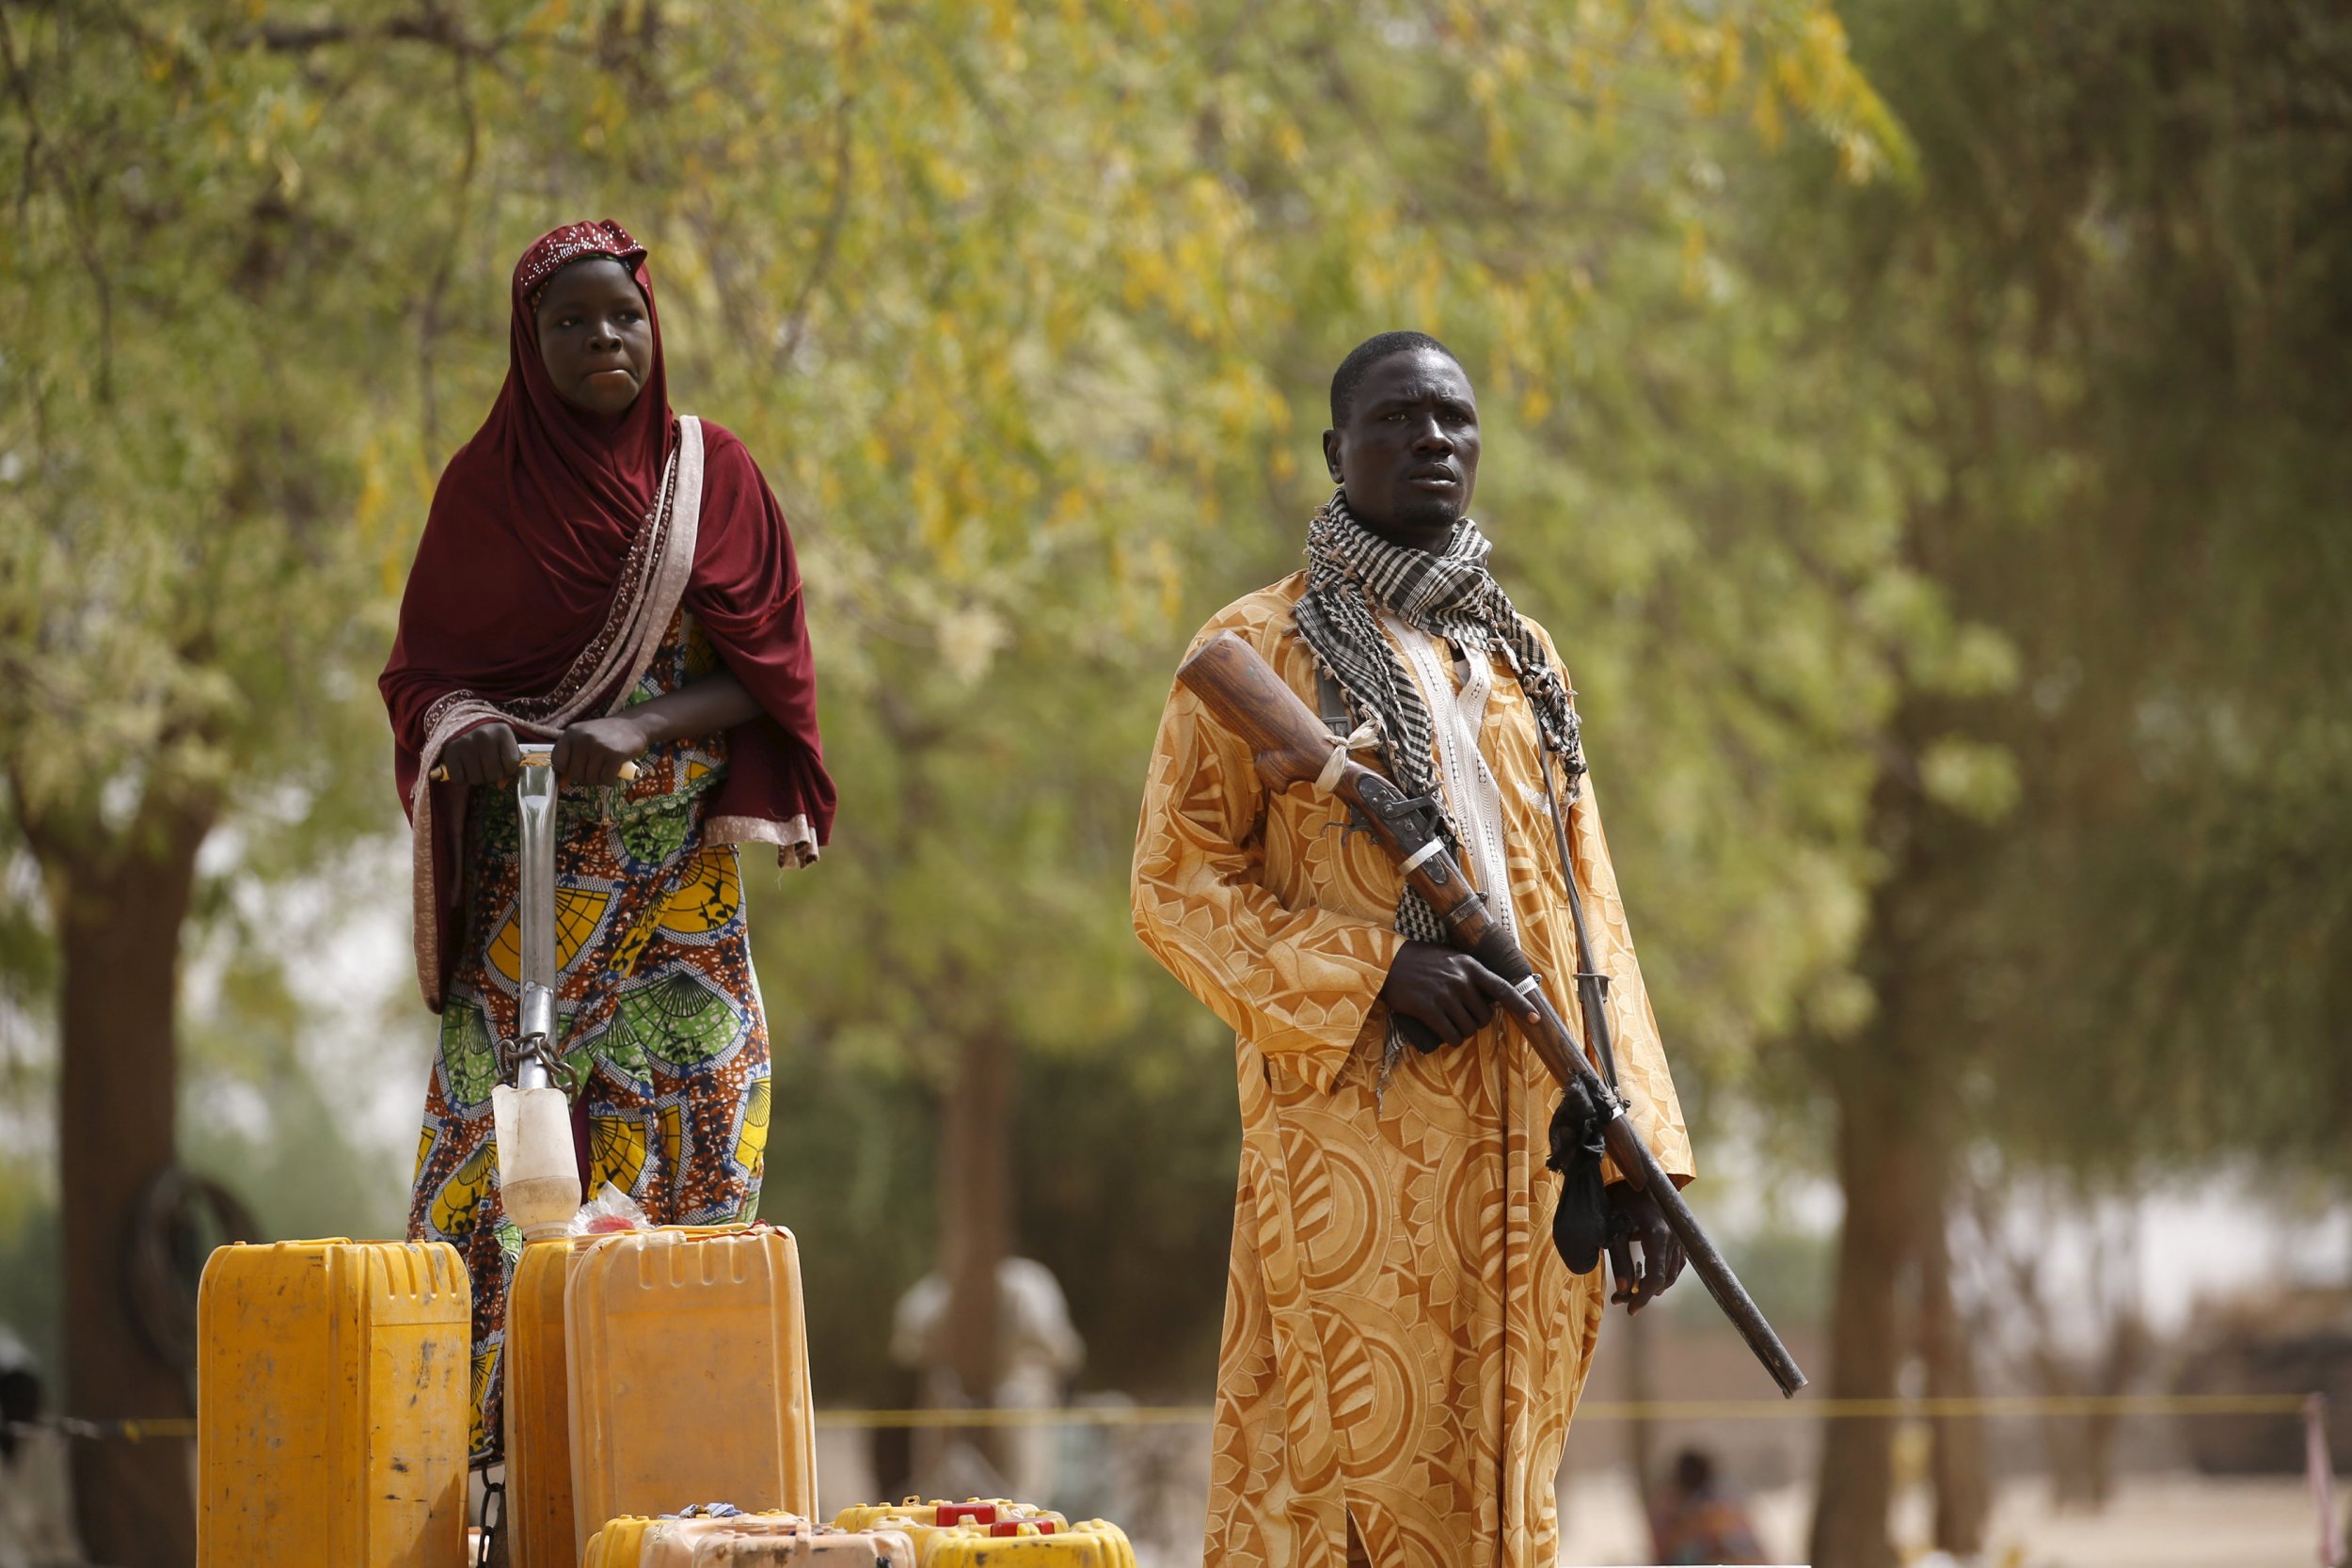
column 539, row 1517
column 1028, row 1543
column 331, row 1415
column 616, row 1544
column 939, row 1512
column 688, row 1375
column 641, row 1543
column 538, row 1409
column 752, row 1544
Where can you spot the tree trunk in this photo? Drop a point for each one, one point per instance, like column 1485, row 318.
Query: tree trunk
column 1856, row 1485
column 1892, row 1086
column 118, row 910
column 976, row 1216
column 1956, row 1461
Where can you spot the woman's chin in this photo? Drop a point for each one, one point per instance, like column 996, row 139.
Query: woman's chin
column 602, row 402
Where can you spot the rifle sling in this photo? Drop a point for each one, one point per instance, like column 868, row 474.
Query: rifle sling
column 1594, row 1029
column 1333, row 703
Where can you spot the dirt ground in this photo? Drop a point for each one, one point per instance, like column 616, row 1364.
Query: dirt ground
column 2156, row 1521
column 2159, row 1520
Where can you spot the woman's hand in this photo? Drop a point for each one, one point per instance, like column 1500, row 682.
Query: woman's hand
column 484, row 756
column 594, row 751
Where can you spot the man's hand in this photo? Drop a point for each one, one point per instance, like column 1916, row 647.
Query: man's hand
column 592, row 752
column 1639, row 1219
column 484, row 756
column 1451, row 992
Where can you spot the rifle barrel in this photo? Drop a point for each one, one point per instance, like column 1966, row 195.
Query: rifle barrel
column 1641, row 1168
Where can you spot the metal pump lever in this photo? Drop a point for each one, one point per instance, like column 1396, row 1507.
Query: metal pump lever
column 534, row 1025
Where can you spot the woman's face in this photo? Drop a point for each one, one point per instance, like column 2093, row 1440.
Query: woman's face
column 594, row 337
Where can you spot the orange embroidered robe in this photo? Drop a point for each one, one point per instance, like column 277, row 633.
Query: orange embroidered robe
column 1401, row 1344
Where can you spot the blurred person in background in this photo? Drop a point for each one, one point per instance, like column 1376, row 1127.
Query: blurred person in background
column 1037, row 1353
column 600, row 573
column 1699, row 1519
column 36, row 1491
column 1403, row 1344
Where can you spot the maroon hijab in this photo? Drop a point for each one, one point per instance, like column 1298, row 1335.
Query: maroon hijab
column 533, row 556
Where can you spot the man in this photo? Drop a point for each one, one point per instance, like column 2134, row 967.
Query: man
column 1402, row 1343
column 1699, row 1519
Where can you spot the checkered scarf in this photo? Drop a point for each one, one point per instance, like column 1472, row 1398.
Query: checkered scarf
column 1352, row 575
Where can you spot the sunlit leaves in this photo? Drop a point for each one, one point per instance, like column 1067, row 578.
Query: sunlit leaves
column 1026, row 312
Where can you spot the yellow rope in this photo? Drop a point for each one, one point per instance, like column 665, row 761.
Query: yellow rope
column 1085, row 1414
column 1627, row 1410
column 1592, row 1410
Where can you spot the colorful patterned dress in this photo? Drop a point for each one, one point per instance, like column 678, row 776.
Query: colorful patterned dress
column 655, row 999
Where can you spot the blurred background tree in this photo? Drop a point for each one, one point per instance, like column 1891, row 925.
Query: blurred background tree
column 2108, row 935
column 210, row 291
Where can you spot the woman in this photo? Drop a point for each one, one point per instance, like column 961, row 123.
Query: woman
column 598, row 572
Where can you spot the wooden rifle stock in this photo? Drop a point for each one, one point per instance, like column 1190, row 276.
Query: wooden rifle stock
column 1291, row 747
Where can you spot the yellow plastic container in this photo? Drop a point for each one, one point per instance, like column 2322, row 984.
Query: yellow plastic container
column 770, row 1541
column 617, row 1544
column 982, row 1511
column 544, row 1532
column 331, row 1417
column 927, row 1523
column 1027, row 1543
column 747, row 1544
column 636, row 1541
column 688, row 1375
column 538, row 1410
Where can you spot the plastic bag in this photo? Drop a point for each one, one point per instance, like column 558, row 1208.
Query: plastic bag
column 608, row 1213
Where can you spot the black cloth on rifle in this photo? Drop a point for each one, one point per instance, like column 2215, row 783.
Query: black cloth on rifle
column 1580, row 1225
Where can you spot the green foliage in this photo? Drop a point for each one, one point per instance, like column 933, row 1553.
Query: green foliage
column 1027, row 310
column 2112, row 309
column 29, row 1298
column 851, row 1171
column 1143, row 1155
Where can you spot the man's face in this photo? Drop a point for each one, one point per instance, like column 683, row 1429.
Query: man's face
column 1408, row 453
column 594, row 337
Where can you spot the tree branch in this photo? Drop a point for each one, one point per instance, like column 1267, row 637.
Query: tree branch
column 436, row 288
column 827, row 239
column 428, row 25
column 84, row 239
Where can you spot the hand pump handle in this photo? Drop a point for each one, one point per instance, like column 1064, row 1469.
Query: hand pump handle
column 534, row 1028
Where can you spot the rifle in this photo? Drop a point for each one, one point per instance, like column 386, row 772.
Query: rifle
column 1292, row 747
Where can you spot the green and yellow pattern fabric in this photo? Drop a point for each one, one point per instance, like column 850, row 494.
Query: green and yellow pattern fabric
column 658, row 1006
